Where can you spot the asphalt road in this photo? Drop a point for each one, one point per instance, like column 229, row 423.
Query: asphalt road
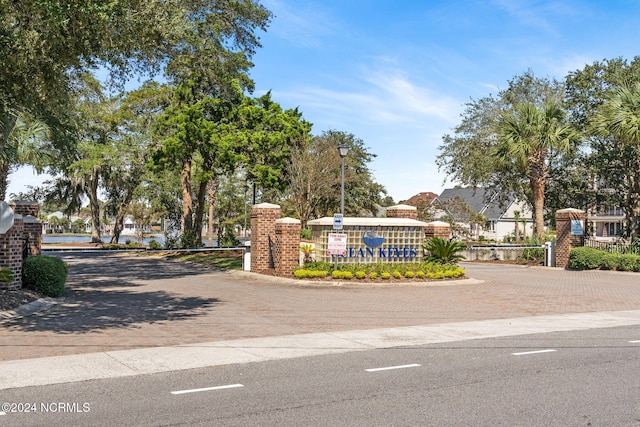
column 578, row 378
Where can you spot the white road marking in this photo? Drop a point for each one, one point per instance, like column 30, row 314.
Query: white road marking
column 634, row 341
column 197, row 390
column 392, row 367
column 533, row 352
column 3, row 413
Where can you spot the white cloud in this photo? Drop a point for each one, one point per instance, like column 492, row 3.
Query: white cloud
column 300, row 27
column 536, row 14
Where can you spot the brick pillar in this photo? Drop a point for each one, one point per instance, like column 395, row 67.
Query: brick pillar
column 32, row 226
column 11, row 245
column 24, row 207
column 438, row 229
column 263, row 235
column 287, row 253
column 33, row 234
column 402, row 211
column 568, row 237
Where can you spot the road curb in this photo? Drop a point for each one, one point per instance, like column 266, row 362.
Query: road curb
column 36, row 306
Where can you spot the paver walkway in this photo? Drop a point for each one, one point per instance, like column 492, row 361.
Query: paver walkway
column 118, row 302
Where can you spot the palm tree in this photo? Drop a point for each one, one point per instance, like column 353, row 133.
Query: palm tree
column 619, row 118
column 530, row 138
column 27, row 143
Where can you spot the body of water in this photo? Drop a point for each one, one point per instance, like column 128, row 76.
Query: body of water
column 85, row 238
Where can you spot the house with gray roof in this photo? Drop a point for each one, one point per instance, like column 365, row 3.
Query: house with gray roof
column 478, row 211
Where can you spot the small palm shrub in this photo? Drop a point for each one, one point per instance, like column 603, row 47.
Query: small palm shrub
column 307, row 251
column 45, row 275
column 443, row 251
column 6, row 275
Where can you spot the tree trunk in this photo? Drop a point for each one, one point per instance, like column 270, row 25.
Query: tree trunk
column 4, row 179
column 187, row 201
column 94, row 206
column 118, row 226
column 8, row 122
column 200, row 199
column 119, row 223
column 537, row 187
column 212, row 188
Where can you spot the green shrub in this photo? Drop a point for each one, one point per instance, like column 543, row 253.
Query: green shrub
column 154, row 245
column 420, row 274
column 397, row 274
column 361, row 275
column 305, row 234
column 385, row 275
column 301, row 274
column 409, row 274
column 311, row 274
column 627, row 262
column 317, row 273
column 586, row 258
column 373, row 275
column 318, row 265
column 339, row 274
column 44, row 274
column 609, row 262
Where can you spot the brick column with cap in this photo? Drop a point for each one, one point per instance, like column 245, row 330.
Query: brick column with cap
column 287, row 253
column 402, row 211
column 438, row 229
column 568, row 236
column 11, row 245
column 32, row 226
column 263, row 235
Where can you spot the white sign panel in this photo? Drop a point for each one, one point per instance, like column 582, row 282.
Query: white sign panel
column 337, row 221
column 6, row 217
column 577, row 227
column 337, row 244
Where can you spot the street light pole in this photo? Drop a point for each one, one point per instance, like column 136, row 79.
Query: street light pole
column 244, row 202
column 342, row 150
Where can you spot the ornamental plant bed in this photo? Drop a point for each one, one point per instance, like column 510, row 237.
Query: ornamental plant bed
column 380, row 273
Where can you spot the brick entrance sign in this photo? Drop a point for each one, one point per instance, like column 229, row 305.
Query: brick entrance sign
column 570, row 233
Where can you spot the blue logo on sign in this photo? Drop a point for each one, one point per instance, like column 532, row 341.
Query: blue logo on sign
column 370, row 239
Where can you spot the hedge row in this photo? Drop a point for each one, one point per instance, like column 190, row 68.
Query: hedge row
column 585, row 258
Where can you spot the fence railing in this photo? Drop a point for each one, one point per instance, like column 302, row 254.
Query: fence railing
column 618, row 247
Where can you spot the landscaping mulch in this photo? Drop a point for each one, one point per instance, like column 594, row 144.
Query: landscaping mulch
column 10, row 300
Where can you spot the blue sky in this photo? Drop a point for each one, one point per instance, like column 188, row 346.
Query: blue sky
column 397, row 73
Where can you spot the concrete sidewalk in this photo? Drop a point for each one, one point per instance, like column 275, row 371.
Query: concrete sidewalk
column 125, row 315
column 112, row 364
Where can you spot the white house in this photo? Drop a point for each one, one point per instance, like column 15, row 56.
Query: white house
column 463, row 203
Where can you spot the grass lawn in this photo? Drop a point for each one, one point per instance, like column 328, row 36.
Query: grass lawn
column 228, row 260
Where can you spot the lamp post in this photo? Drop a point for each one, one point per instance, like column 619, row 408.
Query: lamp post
column 342, row 150
column 244, row 202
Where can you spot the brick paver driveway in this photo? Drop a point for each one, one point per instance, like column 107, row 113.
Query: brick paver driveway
column 122, row 302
